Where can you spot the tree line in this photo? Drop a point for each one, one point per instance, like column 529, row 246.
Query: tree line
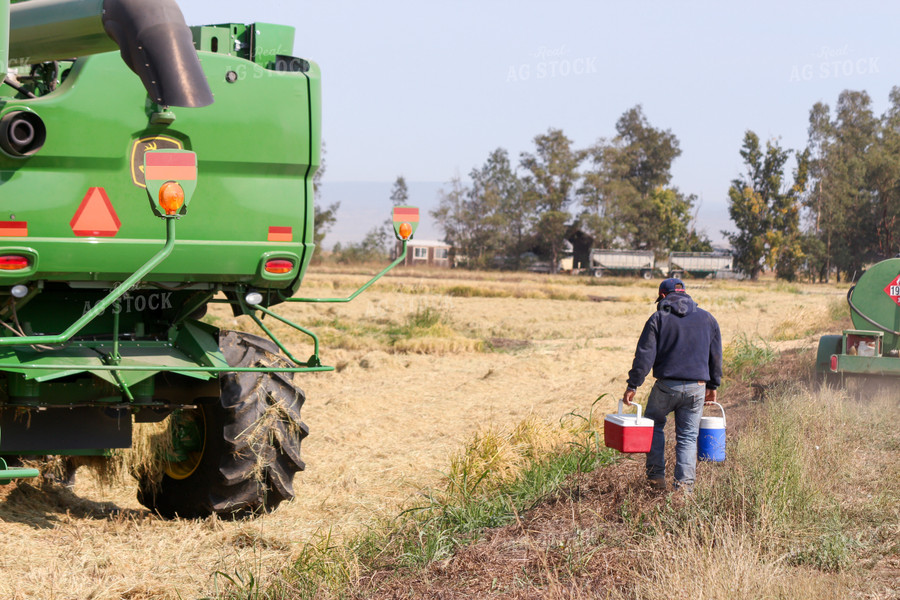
column 832, row 211
column 617, row 192
column 839, row 209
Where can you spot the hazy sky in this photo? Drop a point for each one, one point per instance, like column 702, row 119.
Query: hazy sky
column 427, row 89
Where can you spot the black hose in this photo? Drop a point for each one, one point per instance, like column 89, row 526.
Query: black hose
column 859, row 312
column 18, row 88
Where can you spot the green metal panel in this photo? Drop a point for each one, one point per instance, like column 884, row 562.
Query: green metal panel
column 271, row 41
column 257, row 148
column 81, row 360
column 868, row 365
column 829, row 345
column 212, row 38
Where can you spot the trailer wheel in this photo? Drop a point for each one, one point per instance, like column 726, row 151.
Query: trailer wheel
column 250, row 448
column 646, row 274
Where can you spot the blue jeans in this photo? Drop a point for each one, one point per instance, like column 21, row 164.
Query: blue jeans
column 686, row 399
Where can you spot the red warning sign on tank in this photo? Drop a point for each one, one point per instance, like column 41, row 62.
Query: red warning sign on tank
column 893, row 289
column 96, row 216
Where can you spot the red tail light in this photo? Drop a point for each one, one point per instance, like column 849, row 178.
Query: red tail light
column 834, row 363
column 279, row 266
column 13, row 262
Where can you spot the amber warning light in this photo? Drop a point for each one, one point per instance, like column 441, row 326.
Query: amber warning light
column 406, row 220
column 171, row 178
column 171, row 197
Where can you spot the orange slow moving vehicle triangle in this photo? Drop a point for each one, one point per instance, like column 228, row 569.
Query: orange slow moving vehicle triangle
column 96, row 216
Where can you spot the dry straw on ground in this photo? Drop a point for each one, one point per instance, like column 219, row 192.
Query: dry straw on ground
column 381, row 428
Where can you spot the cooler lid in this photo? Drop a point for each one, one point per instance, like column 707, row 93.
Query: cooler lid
column 629, row 420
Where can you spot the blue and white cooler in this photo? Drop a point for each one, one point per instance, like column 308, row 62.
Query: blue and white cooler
column 711, row 443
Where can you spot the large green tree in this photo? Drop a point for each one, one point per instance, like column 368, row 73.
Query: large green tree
column 487, row 222
column 850, row 173
column 552, row 174
column 500, row 208
column 766, row 211
column 673, row 222
column 627, row 194
column 884, row 178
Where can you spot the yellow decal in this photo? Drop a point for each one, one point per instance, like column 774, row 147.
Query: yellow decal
column 140, row 146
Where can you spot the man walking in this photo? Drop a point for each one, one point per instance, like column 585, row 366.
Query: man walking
column 682, row 344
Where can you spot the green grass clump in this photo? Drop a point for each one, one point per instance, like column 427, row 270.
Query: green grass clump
column 769, row 485
column 470, row 291
column 743, row 358
column 786, row 516
column 838, row 309
column 787, row 288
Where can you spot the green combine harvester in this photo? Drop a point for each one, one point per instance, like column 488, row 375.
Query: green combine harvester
column 147, row 170
column 872, row 349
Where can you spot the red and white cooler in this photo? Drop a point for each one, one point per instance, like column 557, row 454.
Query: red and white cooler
column 628, row 433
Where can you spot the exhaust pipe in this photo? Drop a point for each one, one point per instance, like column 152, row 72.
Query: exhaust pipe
column 22, row 133
column 151, row 35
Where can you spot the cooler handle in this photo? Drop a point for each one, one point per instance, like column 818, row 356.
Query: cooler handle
column 621, row 407
column 724, row 423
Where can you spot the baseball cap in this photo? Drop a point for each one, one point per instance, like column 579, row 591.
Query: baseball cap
column 668, row 286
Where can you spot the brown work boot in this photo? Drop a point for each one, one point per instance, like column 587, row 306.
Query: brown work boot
column 657, row 484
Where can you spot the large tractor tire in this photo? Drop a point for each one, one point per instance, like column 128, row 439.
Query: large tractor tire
column 251, row 441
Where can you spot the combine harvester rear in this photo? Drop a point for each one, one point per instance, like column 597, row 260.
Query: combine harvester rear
column 131, row 203
column 872, row 349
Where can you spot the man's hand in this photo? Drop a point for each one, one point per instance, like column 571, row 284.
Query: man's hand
column 628, row 397
column 710, row 397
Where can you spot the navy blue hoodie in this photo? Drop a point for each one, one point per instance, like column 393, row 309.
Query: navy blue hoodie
column 679, row 341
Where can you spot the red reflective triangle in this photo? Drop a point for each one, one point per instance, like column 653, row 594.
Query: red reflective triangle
column 96, row 216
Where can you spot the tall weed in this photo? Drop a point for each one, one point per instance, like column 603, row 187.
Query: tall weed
column 787, row 515
column 744, row 358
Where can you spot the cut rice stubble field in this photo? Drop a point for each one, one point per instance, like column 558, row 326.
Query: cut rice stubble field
column 409, row 392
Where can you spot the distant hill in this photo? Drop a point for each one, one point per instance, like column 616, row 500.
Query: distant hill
column 367, row 204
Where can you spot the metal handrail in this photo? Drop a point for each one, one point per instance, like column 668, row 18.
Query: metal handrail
column 396, row 262
column 102, row 305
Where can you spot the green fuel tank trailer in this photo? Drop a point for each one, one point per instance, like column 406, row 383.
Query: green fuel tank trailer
column 148, row 169
column 872, row 348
